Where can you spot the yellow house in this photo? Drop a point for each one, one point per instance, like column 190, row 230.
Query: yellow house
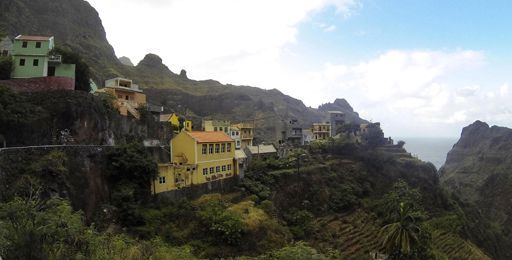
column 216, row 125
column 174, row 120
column 197, row 158
column 246, row 133
column 188, row 125
column 321, row 131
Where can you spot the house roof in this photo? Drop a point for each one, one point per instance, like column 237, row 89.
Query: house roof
column 239, row 154
column 262, row 148
column 33, row 38
column 209, row 137
column 165, row 117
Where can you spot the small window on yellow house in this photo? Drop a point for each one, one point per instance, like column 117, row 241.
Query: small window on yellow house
column 217, row 148
column 223, row 168
column 223, row 148
column 161, row 179
column 212, row 170
column 204, row 149
column 229, row 167
column 229, row 147
column 217, row 169
column 210, row 148
column 205, row 171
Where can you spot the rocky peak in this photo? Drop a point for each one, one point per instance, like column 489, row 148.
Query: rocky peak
column 154, row 64
column 340, row 104
column 183, row 74
column 126, row 61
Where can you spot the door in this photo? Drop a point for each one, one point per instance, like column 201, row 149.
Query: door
column 51, row 71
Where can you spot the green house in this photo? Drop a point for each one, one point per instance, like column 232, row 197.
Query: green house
column 33, row 59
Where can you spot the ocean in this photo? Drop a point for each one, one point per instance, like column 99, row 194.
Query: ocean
column 432, row 150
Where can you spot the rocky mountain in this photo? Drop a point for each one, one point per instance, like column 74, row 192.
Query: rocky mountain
column 479, row 171
column 126, row 61
column 77, row 25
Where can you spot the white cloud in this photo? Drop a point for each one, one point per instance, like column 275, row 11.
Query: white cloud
column 412, row 92
column 190, row 33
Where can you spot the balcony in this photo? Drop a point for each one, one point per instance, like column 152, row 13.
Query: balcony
column 55, row 58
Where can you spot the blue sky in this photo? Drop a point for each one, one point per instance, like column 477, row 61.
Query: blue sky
column 421, row 68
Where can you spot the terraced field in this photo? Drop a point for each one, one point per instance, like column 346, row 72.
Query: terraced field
column 355, row 235
column 454, row 247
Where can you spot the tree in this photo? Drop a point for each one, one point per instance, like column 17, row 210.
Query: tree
column 130, row 172
column 35, row 229
column 6, row 67
column 401, row 237
column 82, row 70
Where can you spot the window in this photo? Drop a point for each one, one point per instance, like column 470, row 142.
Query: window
column 22, row 62
column 217, row 169
column 237, row 133
column 211, row 170
column 36, row 62
column 237, row 142
column 161, row 180
column 223, row 168
column 204, row 149
column 205, row 171
column 38, row 45
column 215, row 129
column 217, row 148
column 229, row 148
column 229, row 167
column 220, row 128
column 223, row 148
column 24, row 44
column 211, row 148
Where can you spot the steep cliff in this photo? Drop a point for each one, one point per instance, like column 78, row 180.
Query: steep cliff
column 479, row 171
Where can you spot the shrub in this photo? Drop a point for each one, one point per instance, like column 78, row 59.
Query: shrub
column 6, row 67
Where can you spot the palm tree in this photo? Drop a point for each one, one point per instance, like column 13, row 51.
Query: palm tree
column 402, row 236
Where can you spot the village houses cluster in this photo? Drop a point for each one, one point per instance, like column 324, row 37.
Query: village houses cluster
column 219, row 150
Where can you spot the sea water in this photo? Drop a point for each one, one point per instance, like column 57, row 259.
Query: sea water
column 432, row 150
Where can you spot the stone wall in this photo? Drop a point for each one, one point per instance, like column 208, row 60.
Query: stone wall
column 40, row 84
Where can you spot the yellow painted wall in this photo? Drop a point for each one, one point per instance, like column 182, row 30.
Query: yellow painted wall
column 174, row 120
column 181, row 145
column 191, row 172
column 215, row 156
column 188, row 125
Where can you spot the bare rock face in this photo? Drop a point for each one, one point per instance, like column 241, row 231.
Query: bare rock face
column 479, row 170
column 126, row 61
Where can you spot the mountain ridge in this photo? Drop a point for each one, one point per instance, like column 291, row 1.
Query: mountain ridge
column 56, row 17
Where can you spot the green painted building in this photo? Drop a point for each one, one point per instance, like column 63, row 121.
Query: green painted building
column 33, row 59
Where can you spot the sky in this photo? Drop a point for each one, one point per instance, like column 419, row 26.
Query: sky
column 421, row 68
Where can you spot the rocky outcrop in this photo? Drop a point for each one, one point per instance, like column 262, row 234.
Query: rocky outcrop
column 126, row 61
column 478, row 170
column 481, row 155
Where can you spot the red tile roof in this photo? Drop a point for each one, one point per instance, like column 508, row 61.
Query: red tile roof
column 210, row 137
column 33, row 38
